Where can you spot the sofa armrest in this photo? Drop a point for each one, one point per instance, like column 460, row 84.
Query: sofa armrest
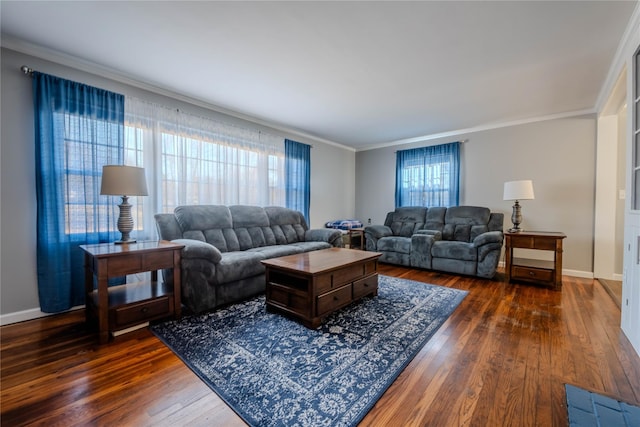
column 437, row 235
column 329, row 235
column 488, row 237
column 377, row 231
column 197, row 249
column 421, row 244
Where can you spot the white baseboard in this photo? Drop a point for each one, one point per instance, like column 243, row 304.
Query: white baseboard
column 578, row 273
column 566, row 272
column 24, row 315
column 35, row 313
column 617, row 277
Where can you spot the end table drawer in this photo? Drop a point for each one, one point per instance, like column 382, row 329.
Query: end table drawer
column 157, row 260
column 121, row 266
column 143, row 311
column 530, row 273
column 334, row 300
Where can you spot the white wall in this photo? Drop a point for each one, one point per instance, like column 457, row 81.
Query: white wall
column 332, row 176
column 558, row 155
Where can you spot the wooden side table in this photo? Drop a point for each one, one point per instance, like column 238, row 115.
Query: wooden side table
column 358, row 234
column 531, row 270
column 123, row 306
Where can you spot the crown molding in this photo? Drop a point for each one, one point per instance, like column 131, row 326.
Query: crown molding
column 480, row 129
column 628, row 43
column 71, row 61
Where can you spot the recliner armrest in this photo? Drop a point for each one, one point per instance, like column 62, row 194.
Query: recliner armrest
column 437, row 235
column 378, row 231
column 197, row 249
column 488, row 237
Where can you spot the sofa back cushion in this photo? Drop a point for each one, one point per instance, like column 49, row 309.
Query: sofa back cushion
column 287, row 225
column 208, row 223
column 251, row 225
column 465, row 223
column 435, row 219
column 405, row 221
column 240, row 227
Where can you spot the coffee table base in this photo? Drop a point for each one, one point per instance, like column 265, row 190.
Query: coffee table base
column 312, row 285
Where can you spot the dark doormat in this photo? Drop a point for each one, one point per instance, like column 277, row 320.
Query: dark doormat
column 591, row 409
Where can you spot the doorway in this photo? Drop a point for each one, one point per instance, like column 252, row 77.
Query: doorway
column 611, row 190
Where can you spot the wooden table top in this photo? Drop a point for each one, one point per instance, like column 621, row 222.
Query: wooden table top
column 320, row 261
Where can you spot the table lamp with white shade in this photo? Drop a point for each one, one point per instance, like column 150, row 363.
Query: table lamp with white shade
column 517, row 190
column 124, row 181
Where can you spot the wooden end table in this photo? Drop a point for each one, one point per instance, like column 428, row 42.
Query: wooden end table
column 124, row 306
column 532, row 270
column 356, row 234
column 312, row 285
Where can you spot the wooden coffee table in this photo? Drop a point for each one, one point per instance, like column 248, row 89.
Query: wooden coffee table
column 312, row 285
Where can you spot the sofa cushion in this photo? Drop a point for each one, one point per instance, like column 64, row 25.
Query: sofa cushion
column 251, row 225
column 465, row 223
column 454, row 250
column 208, row 223
column 311, row 246
column 405, row 221
column 435, row 218
column 238, row 265
column 203, row 217
column 288, row 226
column 277, row 250
column 395, row 244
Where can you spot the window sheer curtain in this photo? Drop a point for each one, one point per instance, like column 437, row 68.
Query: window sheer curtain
column 78, row 129
column 298, row 176
column 195, row 160
column 428, row 176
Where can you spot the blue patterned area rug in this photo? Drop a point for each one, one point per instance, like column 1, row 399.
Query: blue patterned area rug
column 275, row 372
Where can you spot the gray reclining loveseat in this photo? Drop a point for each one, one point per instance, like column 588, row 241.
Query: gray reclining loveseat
column 460, row 239
column 225, row 244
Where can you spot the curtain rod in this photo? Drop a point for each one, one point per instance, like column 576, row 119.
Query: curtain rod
column 26, row 70
column 461, row 141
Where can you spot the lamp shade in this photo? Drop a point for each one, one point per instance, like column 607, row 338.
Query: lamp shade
column 518, row 190
column 123, row 181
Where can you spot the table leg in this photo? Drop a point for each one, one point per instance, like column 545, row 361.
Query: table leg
column 508, row 253
column 177, row 303
column 88, row 285
column 103, row 301
column 558, row 264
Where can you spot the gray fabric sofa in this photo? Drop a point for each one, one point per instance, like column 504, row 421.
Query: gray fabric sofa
column 460, row 239
column 225, row 244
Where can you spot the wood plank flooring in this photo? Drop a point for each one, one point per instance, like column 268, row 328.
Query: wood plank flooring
column 501, row 359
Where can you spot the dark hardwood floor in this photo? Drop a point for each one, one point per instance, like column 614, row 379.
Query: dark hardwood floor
column 501, row 359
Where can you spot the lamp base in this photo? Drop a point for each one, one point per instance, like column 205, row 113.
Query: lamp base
column 516, row 218
column 125, row 242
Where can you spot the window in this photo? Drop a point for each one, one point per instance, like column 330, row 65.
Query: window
column 428, row 176
column 195, row 160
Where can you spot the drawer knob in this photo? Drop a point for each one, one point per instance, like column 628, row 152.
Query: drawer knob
column 335, row 298
column 144, row 310
column 531, row 273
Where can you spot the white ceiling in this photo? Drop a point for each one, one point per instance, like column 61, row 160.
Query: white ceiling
column 357, row 73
